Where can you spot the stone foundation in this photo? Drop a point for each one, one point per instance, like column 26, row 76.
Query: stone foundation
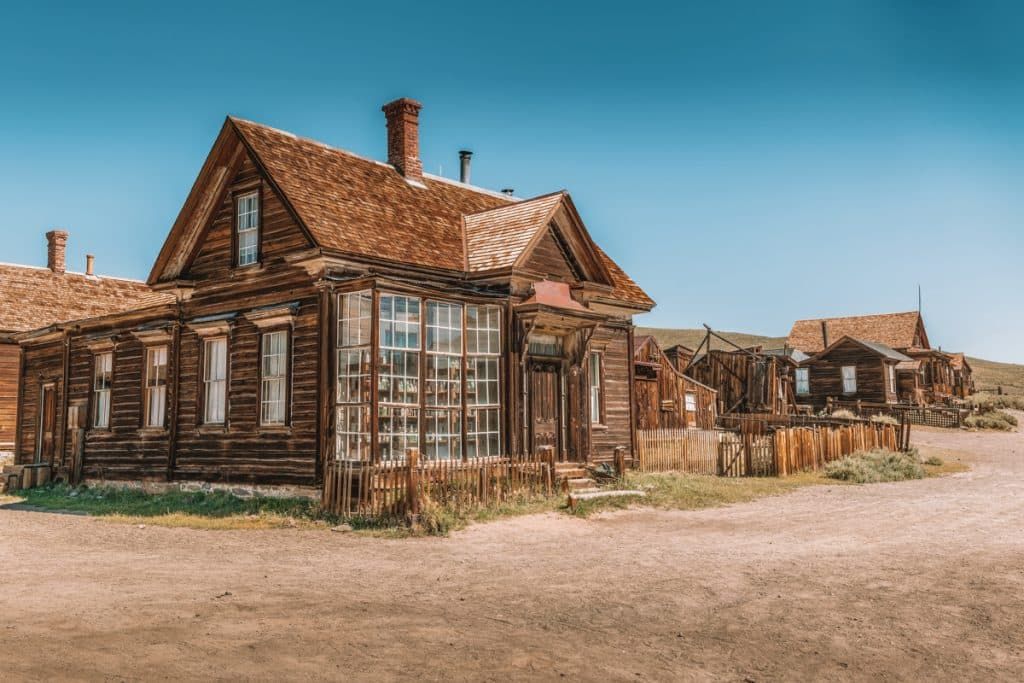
column 240, row 490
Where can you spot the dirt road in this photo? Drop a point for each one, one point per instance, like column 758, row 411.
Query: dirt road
column 903, row 581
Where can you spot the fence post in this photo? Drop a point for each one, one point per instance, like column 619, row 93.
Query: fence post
column 620, row 461
column 412, row 461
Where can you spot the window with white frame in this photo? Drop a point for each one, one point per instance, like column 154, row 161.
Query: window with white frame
column 483, row 397
column 155, row 397
column 691, row 402
column 103, row 368
column 247, row 217
column 274, row 378
column 596, row 388
column 892, row 378
column 849, row 379
column 398, row 380
column 355, row 325
column 803, row 381
column 215, row 380
column 443, row 388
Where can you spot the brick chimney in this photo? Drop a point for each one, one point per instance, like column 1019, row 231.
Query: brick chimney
column 824, row 333
column 56, row 241
column 403, row 117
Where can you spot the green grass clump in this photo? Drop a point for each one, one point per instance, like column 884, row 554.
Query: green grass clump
column 992, row 419
column 866, row 467
column 129, row 502
column 934, row 461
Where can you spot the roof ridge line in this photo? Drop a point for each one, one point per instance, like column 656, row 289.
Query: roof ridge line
column 73, row 272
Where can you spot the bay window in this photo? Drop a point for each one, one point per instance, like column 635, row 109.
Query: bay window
column 437, row 378
column 398, row 381
column 355, row 325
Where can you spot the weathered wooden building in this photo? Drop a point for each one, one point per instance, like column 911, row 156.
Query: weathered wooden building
column 319, row 306
column 746, row 380
column 849, row 370
column 31, row 297
column 902, row 332
column 664, row 396
column 963, row 375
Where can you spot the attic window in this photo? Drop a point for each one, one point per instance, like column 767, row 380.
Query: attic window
column 247, row 222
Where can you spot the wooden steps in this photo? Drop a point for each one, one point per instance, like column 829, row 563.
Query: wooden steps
column 573, row 477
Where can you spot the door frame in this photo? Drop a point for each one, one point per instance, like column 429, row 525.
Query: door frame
column 50, row 386
column 558, row 368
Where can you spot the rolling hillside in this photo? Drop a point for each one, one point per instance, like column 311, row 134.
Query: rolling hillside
column 987, row 374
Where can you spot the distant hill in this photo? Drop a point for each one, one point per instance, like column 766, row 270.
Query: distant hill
column 692, row 338
column 987, row 374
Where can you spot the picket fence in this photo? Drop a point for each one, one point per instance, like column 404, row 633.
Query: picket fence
column 775, row 452
column 400, row 489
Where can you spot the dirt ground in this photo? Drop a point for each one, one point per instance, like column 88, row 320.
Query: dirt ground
column 916, row 580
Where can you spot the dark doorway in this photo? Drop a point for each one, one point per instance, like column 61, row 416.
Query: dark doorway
column 47, row 424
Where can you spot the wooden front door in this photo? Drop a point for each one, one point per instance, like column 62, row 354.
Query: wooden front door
column 47, row 424
column 544, row 408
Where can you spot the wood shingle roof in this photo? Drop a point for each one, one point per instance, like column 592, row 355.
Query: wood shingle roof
column 32, row 297
column 895, row 330
column 365, row 208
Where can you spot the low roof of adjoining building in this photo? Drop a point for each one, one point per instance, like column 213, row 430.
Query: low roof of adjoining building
column 33, row 297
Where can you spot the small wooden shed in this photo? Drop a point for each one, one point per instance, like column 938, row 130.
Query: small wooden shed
column 665, row 397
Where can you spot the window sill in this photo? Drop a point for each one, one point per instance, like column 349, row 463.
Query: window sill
column 212, row 429
column 601, row 427
column 275, row 430
column 96, row 433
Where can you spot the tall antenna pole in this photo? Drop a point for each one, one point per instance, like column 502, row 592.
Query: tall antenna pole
column 919, row 298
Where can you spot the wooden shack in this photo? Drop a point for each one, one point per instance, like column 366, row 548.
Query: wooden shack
column 315, row 307
column 929, row 378
column 746, row 380
column 663, row 396
column 963, row 375
column 851, row 370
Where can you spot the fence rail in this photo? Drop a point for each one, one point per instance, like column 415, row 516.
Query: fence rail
column 931, row 416
column 400, row 489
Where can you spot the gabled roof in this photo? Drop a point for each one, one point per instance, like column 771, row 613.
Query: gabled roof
column 32, row 297
column 895, row 330
column 958, row 360
column 353, row 206
column 881, row 350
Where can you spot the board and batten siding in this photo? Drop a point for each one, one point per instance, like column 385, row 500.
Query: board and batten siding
column 826, row 375
column 614, row 345
column 44, row 363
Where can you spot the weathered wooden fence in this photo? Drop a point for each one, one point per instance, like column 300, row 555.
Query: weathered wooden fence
column 810, row 448
column 752, row 452
column 400, row 489
column 684, row 450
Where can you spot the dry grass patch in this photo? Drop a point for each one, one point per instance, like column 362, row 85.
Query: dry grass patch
column 181, row 520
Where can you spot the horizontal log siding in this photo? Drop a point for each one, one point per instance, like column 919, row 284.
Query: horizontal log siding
column 279, row 233
column 10, row 364
column 242, row 451
column 826, row 376
column 125, row 451
column 43, row 363
column 613, row 342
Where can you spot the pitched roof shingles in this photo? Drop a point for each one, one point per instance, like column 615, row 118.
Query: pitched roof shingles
column 895, row 330
column 362, row 207
column 33, row 297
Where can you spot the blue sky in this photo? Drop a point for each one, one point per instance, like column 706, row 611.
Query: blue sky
column 748, row 163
